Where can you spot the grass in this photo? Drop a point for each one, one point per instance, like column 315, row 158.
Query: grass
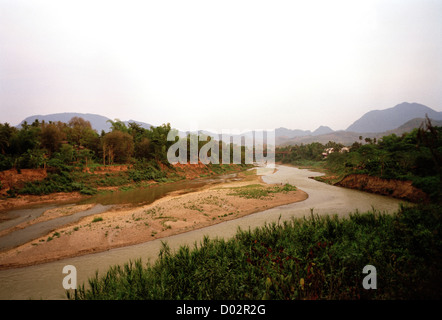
column 70, row 179
column 258, row 191
column 314, row 258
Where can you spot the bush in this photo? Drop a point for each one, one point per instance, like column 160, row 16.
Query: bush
column 54, row 182
column 429, row 185
column 97, row 219
column 6, row 162
column 316, row 258
column 88, row 191
column 146, row 170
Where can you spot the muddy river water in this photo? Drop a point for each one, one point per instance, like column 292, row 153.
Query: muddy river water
column 102, row 202
column 45, row 281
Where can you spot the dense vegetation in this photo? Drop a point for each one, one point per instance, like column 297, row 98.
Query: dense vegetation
column 258, row 191
column 70, row 151
column 316, row 258
column 56, row 144
column 415, row 156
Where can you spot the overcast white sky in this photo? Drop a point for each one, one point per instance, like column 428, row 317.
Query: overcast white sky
column 219, row 64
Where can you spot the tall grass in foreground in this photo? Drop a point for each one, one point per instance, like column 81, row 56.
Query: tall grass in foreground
column 315, row 258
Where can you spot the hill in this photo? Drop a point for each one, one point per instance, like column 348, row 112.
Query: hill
column 374, row 124
column 391, row 118
column 291, row 133
column 98, row 122
column 347, row 137
column 322, row 130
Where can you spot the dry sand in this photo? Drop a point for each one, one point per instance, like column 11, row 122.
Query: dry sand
column 123, row 226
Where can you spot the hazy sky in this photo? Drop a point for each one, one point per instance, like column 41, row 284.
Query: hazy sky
column 219, row 64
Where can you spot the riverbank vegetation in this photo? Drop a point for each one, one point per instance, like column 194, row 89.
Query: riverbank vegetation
column 414, row 156
column 77, row 158
column 258, row 191
column 316, row 258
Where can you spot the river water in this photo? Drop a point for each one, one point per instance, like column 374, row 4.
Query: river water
column 45, row 281
column 103, row 202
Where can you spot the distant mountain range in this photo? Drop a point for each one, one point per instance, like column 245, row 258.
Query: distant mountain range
column 389, row 119
column 348, row 137
column 97, row 122
column 288, row 133
column 401, row 118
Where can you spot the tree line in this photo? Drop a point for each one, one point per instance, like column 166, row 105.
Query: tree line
column 54, row 143
column 58, row 144
column 415, row 156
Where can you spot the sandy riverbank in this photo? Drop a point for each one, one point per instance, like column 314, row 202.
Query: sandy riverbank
column 123, row 226
column 27, row 200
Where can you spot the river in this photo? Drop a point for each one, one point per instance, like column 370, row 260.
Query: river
column 45, row 281
column 102, row 202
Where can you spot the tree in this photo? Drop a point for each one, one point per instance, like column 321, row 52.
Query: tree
column 79, row 128
column 142, row 148
column 431, row 137
column 118, row 125
column 117, row 147
column 27, row 138
column 6, row 133
column 136, row 131
column 66, row 153
column 84, row 155
column 51, row 136
column 158, row 142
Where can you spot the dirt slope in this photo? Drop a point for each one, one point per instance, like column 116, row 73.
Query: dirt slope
column 389, row 187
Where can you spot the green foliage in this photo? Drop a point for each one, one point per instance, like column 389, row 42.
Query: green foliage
column 415, row 156
column 5, row 134
column 304, row 152
column 429, row 184
column 258, row 191
column 51, row 135
column 97, row 219
column 77, row 143
column 393, row 157
column 54, row 182
column 88, row 191
column 27, row 138
column 32, row 158
column 146, row 170
column 255, row 191
column 6, row 162
column 286, row 188
column 315, row 258
column 118, row 146
column 62, row 145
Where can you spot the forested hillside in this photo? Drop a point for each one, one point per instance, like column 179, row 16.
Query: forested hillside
column 415, row 156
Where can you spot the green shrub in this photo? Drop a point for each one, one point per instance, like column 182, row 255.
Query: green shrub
column 430, row 185
column 88, row 191
column 146, row 170
column 6, row 162
column 315, row 258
